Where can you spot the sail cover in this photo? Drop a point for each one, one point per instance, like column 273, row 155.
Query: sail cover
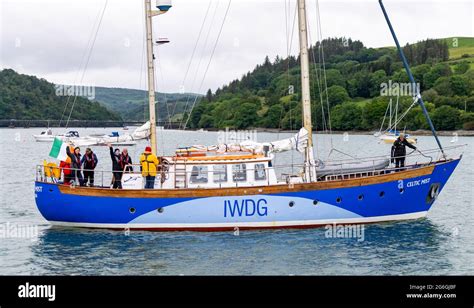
column 299, row 142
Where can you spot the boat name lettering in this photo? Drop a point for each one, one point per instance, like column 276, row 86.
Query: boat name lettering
column 245, row 207
column 418, row 182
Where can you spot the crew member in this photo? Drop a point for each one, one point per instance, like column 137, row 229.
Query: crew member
column 76, row 164
column 89, row 162
column 149, row 164
column 399, row 151
column 117, row 170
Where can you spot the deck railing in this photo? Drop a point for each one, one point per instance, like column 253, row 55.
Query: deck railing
column 417, row 160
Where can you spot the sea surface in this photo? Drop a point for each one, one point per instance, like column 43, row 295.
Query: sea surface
column 441, row 244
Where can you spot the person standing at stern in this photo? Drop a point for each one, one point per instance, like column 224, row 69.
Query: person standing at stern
column 149, row 165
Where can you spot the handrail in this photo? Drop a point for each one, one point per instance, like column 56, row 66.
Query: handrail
column 335, row 174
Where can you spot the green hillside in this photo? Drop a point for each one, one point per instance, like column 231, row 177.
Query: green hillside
column 355, row 76
column 132, row 104
column 24, row 97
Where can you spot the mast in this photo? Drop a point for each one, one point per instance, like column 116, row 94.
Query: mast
column 305, row 88
column 412, row 79
column 163, row 7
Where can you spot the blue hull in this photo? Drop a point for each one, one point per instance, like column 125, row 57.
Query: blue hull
column 406, row 198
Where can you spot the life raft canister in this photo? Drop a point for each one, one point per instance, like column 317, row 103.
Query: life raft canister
column 52, row 170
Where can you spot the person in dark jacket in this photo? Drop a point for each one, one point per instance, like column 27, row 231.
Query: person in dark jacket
column 399, row 151
column 126, row 161
column 76, row 164
column 89, row 162
column 116, row 167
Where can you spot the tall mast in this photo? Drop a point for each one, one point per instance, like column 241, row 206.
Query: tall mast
column 305, row 88
column 412, row 79
column 163, row 7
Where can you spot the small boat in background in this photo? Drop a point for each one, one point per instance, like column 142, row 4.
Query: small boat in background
column 391, row 133
column 48, row 136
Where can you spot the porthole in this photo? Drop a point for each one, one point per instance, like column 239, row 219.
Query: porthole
column 160, row 210
column 291, row 204
column 132, row 210
column 339, row 199
column 401, row 190
column 315, row 202
column 382, row 194
column 360, row 197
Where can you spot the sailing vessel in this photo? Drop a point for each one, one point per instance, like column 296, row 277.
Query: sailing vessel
column 226, row 187
column 391, row 133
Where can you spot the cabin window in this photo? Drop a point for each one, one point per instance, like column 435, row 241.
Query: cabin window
column 260, row 174
column 198, row 175
column 239, row 173
column 220, row 173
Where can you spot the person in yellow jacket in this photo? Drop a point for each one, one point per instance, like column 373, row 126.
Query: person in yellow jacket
column 149, row 165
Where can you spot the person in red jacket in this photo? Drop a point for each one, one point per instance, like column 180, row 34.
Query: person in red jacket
column 65, row 169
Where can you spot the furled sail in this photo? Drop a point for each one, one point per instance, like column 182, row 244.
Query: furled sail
column 299, row 142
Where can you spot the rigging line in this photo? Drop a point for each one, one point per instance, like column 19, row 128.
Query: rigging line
column 197, row 42
column 159, row 67
column 210, row 60
column 313, row 88
column 318, row 15
column 188, row 98
column 89, row 57
column 194, row 51
column 383, row 120
column 318, row 80
column 142, row 63
column 80, row 64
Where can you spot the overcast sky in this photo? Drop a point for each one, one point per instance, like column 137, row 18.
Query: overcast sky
column 48, row 38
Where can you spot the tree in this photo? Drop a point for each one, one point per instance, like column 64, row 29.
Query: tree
column 347, row 116
column 246, row 116
column 446, row 118
column 337, row 95
column 461, row 67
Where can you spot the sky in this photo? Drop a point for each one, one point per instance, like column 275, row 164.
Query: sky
column 50, row 38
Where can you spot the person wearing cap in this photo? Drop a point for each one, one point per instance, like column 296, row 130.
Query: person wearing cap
column 399, row 151
column 89, row 162
column 75, row 164
column 117, row 170
column 149, row 165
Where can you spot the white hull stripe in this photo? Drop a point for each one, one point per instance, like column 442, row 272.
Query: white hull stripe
column 273, row 224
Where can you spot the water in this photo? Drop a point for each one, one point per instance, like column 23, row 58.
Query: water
column 441, row 244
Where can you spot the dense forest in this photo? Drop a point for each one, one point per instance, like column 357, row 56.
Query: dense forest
column 24, row 97
column 350, row 84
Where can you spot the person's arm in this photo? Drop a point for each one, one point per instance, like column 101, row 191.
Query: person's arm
column 83, row 159
column 68, row 152
column 111, row 153
column 392, row 153
column 96, row 160
column 408, row 144
column 130, row 162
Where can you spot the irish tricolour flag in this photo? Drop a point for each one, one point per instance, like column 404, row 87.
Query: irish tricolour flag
column 59, row 149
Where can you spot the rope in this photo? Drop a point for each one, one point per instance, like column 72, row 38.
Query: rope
column 88, row 57
column 188, row 98
column 209, row 63
column 80, row 64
